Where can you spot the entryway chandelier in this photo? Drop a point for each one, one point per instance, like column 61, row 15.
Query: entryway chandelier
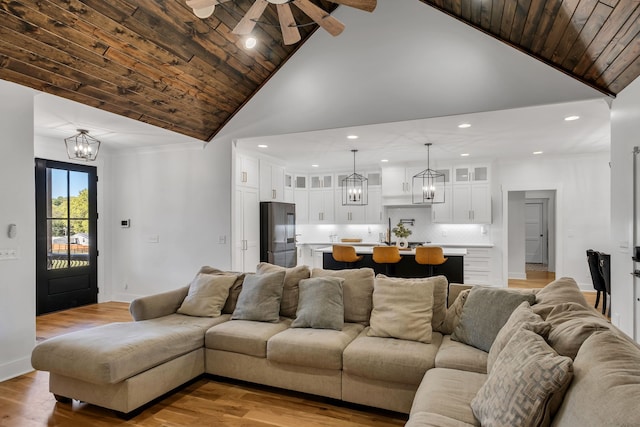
column 82, row 146
column 428, row 186
column 355, row 190
column 289, row 27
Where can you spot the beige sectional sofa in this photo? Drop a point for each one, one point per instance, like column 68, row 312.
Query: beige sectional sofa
column 433, row 376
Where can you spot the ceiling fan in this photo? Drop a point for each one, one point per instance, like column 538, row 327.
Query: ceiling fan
column 290, row 33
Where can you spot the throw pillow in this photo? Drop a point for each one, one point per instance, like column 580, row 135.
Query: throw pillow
column 207, row 295
column 230, row 304
column 526, row 386
column 356, row 291
column 522, row 317
column 561, row 290
column 260, row 297
column 485, row 312
column 320, row 305
column 292, row 277
column 454, row 312
column 402, row 308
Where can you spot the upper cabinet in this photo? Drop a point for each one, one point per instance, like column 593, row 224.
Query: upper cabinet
column 322, row 181
column 396, row 183
column 271, row 182
column 288, row 188
column 471, row 194
column 473, row 174
column 247, row 171
column 442, row 213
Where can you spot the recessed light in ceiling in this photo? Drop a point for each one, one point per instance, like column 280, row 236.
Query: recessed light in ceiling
column 538, row 152
column 353, row 137
column 250, row 42
column 385, row 160
column 263, row 146
column 464, row 125
column 315, row 166
column 464, row 155
column 571, row 118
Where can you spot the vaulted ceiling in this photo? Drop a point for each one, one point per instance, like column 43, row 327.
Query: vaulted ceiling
column 154, row 61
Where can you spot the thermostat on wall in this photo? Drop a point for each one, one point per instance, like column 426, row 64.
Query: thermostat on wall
column 125, row 223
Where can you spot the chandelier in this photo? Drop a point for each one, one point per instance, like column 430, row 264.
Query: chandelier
column 428, row 185
column 354, row 187
column 82, row 146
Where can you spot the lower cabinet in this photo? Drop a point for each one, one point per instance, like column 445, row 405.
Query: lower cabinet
column 477, row 266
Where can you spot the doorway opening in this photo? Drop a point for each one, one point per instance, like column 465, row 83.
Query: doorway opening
column 66, row 236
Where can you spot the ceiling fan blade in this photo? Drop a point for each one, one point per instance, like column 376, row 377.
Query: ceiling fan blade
column 290, row 33
column 199, row 4
column 366, row 5
column 321, row 17
column 246, row 24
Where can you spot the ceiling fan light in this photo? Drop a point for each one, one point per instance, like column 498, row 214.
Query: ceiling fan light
column 250, row 42
column 204, row 12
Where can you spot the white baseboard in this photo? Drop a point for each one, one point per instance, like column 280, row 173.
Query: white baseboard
column 518, row 276
column 15, row 368
column 125, row 297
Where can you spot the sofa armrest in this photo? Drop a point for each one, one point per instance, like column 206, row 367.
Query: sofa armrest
column 158, row 305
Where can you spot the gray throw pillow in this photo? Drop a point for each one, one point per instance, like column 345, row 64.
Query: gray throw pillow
column 485, row 312
column 292, row 277
column 357, row 291
column 260, row 297
column 207, row 295
column 320, row 305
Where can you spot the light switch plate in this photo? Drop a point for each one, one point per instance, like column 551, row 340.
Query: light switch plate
column 8, row 254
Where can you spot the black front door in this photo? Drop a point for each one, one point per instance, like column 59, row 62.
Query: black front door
column 66, row 238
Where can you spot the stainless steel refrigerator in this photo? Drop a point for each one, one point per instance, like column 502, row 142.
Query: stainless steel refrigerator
column 278, row 233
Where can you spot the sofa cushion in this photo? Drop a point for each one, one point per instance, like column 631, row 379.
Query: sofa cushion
column 448, row 392
column 522, row 317
column 260, row 297
column 235, row 289
column 317, row 348
column 320, row 305
column 561, row 290
column 429, row 419
column 207, row 295
column 292, row 278
column 457, row 355
column 390, row 359
column 485, row 312
column 244, row 336
column 452, row 317
column 526, row 384
column 606, row 384
column 357, row 291
column 402, row 308
column 112, row 353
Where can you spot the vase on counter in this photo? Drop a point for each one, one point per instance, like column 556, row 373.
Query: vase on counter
column 402, row 243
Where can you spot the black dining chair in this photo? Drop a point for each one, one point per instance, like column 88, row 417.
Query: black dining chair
column 593, row 259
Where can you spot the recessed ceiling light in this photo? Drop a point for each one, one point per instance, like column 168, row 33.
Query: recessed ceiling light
column 315, row 166
column 464, row 155
column 250, row 42
column 353, row 137
column 538, row 152
column 464, row 125
column 263, row 146
column 571, row 118
column 385, row 160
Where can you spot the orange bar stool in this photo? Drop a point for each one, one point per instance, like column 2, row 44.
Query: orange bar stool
column 346, row 255
column 387, row 255
column 430, row 256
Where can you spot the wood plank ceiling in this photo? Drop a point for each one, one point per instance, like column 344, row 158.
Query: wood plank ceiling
column 154, row 61
column 595, row 41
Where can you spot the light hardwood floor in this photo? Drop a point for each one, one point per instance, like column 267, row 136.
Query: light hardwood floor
column 26, row 401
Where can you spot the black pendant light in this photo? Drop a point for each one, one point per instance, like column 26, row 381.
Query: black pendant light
column 354, row 187
column 428, row 185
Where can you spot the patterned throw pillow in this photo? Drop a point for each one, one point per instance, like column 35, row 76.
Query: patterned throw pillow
column 525, row 386
column 522, row 317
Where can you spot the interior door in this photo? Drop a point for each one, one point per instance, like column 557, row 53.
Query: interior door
column 534, row 233
column 66, row 236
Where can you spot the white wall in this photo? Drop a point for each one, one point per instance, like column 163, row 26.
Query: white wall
column 582, row 200
column 516, row 220
column 625, row 128
column 17, row 277
column 179, row 196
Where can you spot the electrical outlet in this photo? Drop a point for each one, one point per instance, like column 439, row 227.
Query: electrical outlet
column 222, row 240
column 7, row 254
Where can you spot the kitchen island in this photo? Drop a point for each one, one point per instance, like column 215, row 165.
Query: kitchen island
column 452, row 269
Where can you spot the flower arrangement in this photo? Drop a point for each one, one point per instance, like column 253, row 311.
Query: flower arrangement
column 401, row 231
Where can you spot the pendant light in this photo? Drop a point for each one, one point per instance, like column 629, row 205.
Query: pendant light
column 354, row 188
column 429, row 185
column 82, row 146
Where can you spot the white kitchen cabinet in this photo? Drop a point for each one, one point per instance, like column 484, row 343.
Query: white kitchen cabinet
column 247, row 171
column 471, row 204
column 477, row 266
column 471, row 174
column 321, row 206
column 349, row 214
column 397, row 182
column 373, row 211
column 271, row 182
column 321, row 181
column 301, row 200
column 288, row 188
column 246, row 235
column 442, row 213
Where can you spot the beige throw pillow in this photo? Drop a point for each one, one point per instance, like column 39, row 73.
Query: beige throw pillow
column 402, row 308
column 235, row 289
column 454, row 312
column 290, row 292
column 522, row 317
column 207, row 295
column 525, row 386
column 356, row 291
